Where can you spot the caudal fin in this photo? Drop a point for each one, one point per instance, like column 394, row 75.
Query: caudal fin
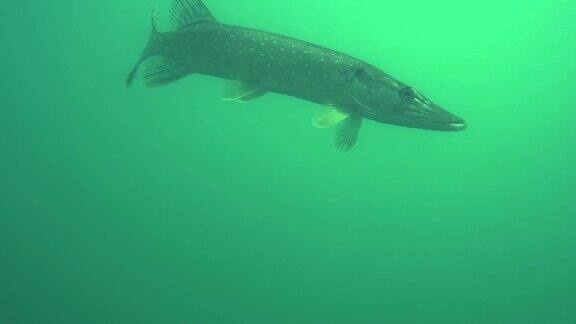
column 154, row 34
column 162, row 70
column 132, row 75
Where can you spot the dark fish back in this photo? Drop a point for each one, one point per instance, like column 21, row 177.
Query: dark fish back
column 278, row 63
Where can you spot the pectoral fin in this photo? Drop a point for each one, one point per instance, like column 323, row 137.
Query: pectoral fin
column 347, row 134
column 242, row 91
column 329, row 117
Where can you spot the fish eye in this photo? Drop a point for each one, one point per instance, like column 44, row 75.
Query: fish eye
column 407, row 93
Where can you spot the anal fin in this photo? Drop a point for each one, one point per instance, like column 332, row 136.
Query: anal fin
column 161, row 71
column 242, row 91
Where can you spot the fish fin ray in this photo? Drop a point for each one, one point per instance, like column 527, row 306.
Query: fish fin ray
column 160, row 71
column 347, row 134
column 329, row 117
column 188, row 12
column 242, row 91
column 252, row 96
column 153, row 38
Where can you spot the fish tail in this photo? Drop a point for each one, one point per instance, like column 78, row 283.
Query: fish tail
column 160, row 69
column 148, row 50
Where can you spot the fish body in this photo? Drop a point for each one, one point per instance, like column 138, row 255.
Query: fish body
column 273, row 62
column 258, row 62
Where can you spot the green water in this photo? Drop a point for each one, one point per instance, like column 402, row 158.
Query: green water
column 171, row 206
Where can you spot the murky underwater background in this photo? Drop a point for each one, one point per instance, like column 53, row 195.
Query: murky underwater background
column 171, row 206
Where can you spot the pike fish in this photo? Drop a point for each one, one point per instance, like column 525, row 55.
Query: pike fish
column 258, row 62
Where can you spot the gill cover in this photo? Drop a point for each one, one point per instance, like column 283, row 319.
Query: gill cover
column 365, row 85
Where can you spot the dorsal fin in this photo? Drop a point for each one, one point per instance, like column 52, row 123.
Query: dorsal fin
column 188, row 12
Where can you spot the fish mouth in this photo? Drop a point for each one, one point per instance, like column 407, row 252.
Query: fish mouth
column 432, row 118
column 435, row 118
column 442, row 120
column 449, row 126
column 458, row 126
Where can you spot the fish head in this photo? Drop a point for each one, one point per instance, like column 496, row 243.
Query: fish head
column 386, row 100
